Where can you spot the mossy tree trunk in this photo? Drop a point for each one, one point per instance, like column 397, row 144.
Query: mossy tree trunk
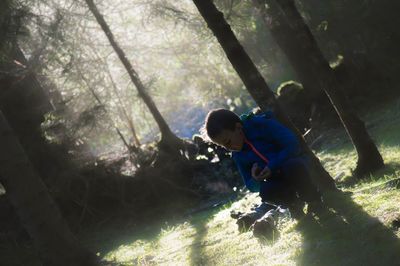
column 36, row 209
column 254, row 81
column 297, row 42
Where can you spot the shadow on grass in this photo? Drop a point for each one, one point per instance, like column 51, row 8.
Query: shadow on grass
column 110, row 237
column 390, row 169
column 347, row 235
column 198, row 256
column 128, row 228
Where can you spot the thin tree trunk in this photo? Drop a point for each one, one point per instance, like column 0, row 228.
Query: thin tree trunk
column 128, row 117
column 121, row 136
column 36, row 209
column 122, row 108
column 253, row 80
column 308, row 61
column 169, row 141
column 282, row 34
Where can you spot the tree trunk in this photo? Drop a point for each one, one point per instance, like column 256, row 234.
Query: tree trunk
column 36, row 209
column 282, row 34
column 98, row 100
column 308, row 61
column 169, row 141
column 122, row 108
column 123, row 111
column 24, row 102
column 253, row 80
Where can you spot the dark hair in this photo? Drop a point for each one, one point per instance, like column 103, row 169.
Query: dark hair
column 218, row 120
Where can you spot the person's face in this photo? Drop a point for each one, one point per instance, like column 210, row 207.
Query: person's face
column 231, row 139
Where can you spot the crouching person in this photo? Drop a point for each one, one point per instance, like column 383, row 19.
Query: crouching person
column 268, row 156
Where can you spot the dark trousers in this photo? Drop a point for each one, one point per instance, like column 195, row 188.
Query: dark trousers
column 289, row 182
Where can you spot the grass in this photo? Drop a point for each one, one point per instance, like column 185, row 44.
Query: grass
column 357, row 229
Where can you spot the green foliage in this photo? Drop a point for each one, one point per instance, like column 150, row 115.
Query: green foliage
column 175, row 54
column 169, row 44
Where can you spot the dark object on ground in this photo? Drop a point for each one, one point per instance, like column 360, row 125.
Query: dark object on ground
column 265, row 227
column 246, row 220
column 396, row 223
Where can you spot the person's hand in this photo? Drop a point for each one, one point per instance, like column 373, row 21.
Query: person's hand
column 260, row 174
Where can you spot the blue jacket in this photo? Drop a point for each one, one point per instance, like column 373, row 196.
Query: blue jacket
column 271, row 139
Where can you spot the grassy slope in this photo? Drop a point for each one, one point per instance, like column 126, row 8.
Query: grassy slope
column 356, row 230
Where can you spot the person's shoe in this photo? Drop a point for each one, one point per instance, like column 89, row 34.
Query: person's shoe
column 264, row 207
column 246, row 220
column 265, row 227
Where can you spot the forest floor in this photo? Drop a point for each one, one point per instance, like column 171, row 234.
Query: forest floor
column 360, row 227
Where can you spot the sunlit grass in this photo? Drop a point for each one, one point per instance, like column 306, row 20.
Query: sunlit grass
column 357, row 230
column 170, row 247
column 213, row 241
column 132, row 253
